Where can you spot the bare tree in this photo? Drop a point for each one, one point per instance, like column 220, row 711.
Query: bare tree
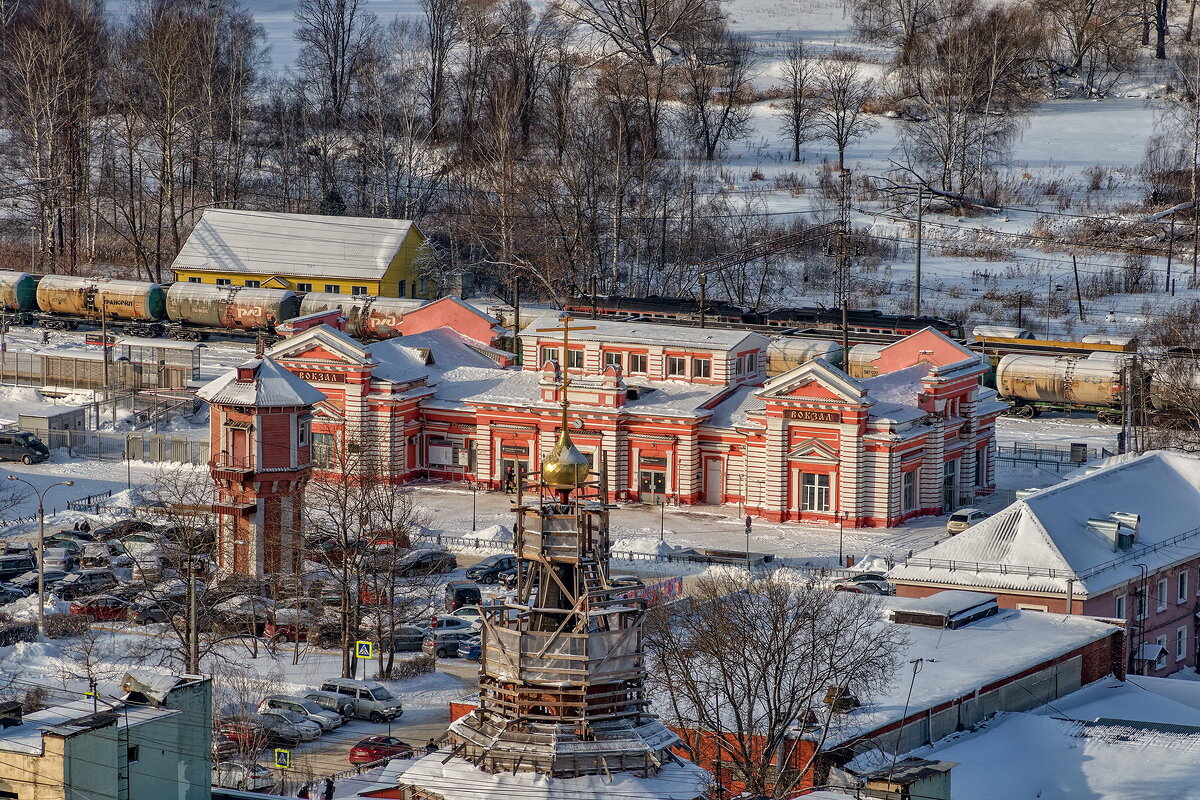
column 745, row 661
column 897, row 23
column 717, row 71
column 797, row 113
column 354, row 522
column 336, row 36
column 1092, row 39
column 443, row 31
column 840, row 118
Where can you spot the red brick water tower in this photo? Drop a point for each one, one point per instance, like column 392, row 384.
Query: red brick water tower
column 260, row 441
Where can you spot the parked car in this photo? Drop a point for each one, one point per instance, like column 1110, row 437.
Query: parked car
column 379, row 748
column 407, row 638
column 449, row 622
column 88, row 581
column 307, row 709
column 122, row 528
column 29, row 580
column 102, row 608
column 470, row 649
column 80, row 537
column 372, row 701
column 22, row 446
column 14, row 564
column 964, row 518
column 488, row 570
column 244, row 777
column 9, row 593
column 443, row 643
column 58, row 558
column 865, row 583
column 306, row 729
column 142, row 540
column 425, row 562
column 626, row 582
column 147, row 613
column 254, row 732
column 72, row 546
column 332, row 701
column 471, row 614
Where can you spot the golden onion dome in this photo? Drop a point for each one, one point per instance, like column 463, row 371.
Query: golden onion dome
column 565, row 467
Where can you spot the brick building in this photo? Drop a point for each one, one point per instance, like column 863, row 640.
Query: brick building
column 1121, row 540
column 682, row 415
column 260, row 417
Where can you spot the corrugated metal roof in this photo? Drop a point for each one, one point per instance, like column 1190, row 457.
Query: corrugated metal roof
column 308, row 245
column 272, row 386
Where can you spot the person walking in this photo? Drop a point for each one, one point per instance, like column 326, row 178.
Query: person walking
column 431, row 746
column 303, row 793
column 329, row 789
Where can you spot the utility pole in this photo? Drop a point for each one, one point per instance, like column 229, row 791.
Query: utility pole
column 593, row 295
column 517, row 319
column 917, row 255
column 843, row 263
column 1078, row 293
column 41, row 548
column 193, row 632
column 1170, row 252
column 703, row 288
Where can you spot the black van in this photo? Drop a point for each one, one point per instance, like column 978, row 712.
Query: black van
column 14, row 565
column 22, row 446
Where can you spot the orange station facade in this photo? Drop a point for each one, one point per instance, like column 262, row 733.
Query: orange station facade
column 676, row 415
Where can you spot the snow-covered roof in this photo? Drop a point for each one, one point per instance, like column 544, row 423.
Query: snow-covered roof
column 1043, row 541
column 453, row 777
column 734, row 410
column 71, row 718
column 646, row 333
column 1111, row 740
column 1013, row 641
column 306, row 245
column 271, row 385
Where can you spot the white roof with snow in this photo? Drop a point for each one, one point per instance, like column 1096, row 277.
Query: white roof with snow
column 1111, row 740
column 272, row 385
column 961, row 660
column 458, row 778
column 646, row 333
column 71, row 718
column 306, row 245
column 1043, row 541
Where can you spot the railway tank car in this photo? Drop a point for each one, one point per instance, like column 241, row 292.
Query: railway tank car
column 1033, row 383
column 66, row 300
column 18, row 291
column 197, row 310
column 788, row 352
column 367, row 316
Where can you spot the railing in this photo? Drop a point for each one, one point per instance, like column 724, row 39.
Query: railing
column 89, row 503
column 1056, row 457
column 1003, row 569
column 150, row 447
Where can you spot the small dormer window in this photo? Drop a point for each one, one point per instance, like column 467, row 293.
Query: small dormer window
column 751, row 362
column 701, row 368
column 574, row 359
column 549, row 354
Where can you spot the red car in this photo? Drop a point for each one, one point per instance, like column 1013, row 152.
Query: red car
column 243, row 734
column 379, row 748
column 102, row 607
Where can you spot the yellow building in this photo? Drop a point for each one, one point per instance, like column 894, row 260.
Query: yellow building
column 304, row 253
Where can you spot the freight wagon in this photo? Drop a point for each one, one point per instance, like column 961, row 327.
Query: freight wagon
column 367, row 317
column 197, row 310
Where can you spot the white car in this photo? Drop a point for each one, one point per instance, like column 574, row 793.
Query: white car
column 305, row 708
column 246, row 777
column 964, row 518
column 471, row 614
column 309, row 730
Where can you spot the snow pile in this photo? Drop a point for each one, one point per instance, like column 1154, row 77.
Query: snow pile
column 642, row 545
column 25, row 609
column 871, row 563
column 491, row 534
column 126, row 498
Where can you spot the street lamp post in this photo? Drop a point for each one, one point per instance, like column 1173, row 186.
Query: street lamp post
column 662, row 520
column 841, row 515
column 474, row 488
column 41, row 496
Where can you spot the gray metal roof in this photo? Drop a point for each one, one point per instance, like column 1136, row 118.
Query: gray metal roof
column 307, row 245
column 648, row 333
column 272, row 386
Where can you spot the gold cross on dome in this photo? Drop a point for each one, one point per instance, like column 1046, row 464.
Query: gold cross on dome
column 565, row 329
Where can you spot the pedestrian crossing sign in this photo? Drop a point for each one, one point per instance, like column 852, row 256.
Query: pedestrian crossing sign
column 362, row 649
column 283, row 759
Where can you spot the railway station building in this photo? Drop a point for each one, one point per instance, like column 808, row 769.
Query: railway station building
column 304, row 253
column 677, row 415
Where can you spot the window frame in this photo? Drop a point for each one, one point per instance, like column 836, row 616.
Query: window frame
column 333, row 288
column 908, row 480
column 574, row 358
column 224, row 282
column 1181, row 589
column 1161, row 588
column 1120, row 606
column 548, row 354
column 815, row 492
column 614, row 358
column 359, row 291
column 195, row 279
column 304, row 287
column 638, row 363
column 251, row 283
column 1161, row 661
column 671, row 364
column 1181, row 643
column 701, row 367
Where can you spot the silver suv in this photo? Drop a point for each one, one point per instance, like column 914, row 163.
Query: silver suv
column 308, row 709
column 372, row 700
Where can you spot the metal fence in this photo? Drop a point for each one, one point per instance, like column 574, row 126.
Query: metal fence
column 86, row 370
column 1051, row 456
column 151, row 447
